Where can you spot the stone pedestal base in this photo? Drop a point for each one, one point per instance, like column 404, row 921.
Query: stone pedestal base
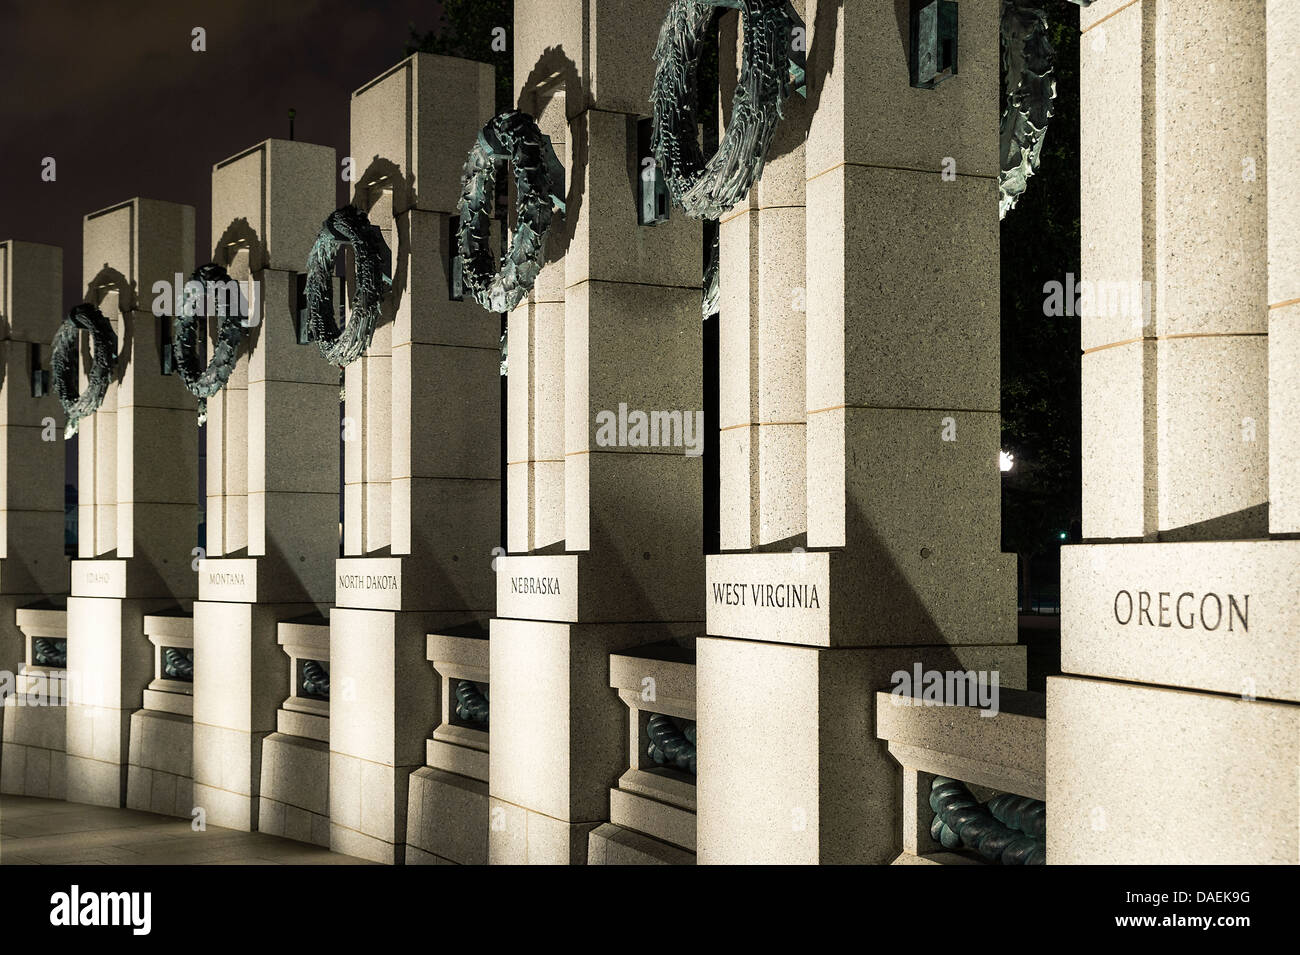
column 90, row 780
column 790, row 767
column 34, row 762
column 559, row 734
column 368, row 809
column 110, row 661
column 1206, row 615
column 609, row 844
column 1175, row 736
column 383, row 703
column 518, row 836
column 227, row 772
column 237, row 689
column 159, row 773
column 1156, row 776
column 293, row 793
column 843, row 599
column 447, row 819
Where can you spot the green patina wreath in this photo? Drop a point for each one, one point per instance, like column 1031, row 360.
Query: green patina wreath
column 202, row 382
column 1027, row 59
column 539, row 183
column 707, row 189
column 63, row 362
column 712, row 279
column 347, row 226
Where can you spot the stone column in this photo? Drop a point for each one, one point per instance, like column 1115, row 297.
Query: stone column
column 1178, row 712
column 33, row 568
column 625, row 566
column 1166, row 200
column 1283, row 167
column 763, row 303
column 273, row 472
column 535, row 383
column 422, row 452
column 901, row 393
column 138, row 490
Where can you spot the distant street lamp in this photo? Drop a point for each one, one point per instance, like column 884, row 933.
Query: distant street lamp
column 1006, row 460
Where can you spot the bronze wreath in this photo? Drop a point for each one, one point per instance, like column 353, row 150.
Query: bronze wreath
column 347, row 226
column 539, row 184
column 705, row 190
column 63, row 362
column 202, row 382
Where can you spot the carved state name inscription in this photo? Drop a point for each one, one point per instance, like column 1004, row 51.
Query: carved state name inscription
column 1185, row 610
column 367, row 581
column 535, row 585
column 782, row 596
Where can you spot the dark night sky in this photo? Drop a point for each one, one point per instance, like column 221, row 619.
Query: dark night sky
column 115, row 94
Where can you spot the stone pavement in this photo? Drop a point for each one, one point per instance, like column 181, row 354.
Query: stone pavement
column 51, row 832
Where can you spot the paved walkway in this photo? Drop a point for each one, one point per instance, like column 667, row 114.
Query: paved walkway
column 48, row 832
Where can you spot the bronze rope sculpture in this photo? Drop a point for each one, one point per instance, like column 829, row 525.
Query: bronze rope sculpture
column 669, row 745
column 315, row 680
column 178, row 664
column 472, row 702
column 63, row 362
column 50, row 652
column 1009, row 829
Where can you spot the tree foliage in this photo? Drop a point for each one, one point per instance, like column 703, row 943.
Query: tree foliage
column 472, row 29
